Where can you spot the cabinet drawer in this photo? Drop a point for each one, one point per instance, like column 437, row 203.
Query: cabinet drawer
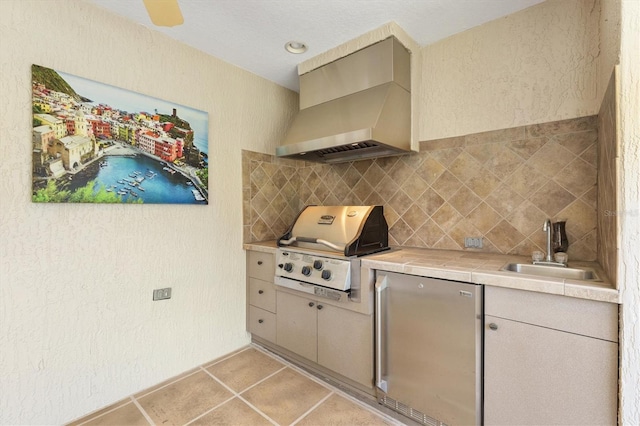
column 579, row 316
column 262, row 294
column 262, row 323
column 261, row 265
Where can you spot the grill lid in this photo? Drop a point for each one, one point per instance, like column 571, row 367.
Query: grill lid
column 352, row 230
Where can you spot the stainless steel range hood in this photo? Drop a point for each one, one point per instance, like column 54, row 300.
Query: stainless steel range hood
column 354, row 108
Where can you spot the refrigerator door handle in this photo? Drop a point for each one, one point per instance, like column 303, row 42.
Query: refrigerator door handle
column 380, row 286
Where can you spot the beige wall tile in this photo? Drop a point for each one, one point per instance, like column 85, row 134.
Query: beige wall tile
column 430, row 169
column 526, row 180
column 430, row 233
column 525, row 148
column 415, row 186
column 483, row 218
column 502, row 135
column 578, row 177
column 505, row 236
column 551, row 158
column 552, row 198
column 464, row 201
column 607, row 253
column 520, row 176
column 561, row 127
column 578, row 142
column 446, row 184
column 446, row 216
column 484, row 183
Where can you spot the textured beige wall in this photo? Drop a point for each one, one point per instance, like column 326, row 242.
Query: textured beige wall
column 78, row 329
column 609, row 43
column 629, row 204
column 534, row 66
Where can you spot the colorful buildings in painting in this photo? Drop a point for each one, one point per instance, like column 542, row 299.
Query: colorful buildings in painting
column 68, row 133
column 161, row 146
column 56, row 124
column 74, row 150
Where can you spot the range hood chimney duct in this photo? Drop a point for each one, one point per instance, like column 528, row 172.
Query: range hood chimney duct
column 354, row 108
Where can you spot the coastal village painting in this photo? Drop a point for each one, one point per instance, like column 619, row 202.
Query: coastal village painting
column 96, row 143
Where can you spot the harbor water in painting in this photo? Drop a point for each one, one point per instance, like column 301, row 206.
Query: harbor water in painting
column 101, row 144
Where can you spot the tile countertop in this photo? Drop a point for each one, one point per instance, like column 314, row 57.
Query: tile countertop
column 478, row 268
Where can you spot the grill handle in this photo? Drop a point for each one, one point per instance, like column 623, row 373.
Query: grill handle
column 312, row 240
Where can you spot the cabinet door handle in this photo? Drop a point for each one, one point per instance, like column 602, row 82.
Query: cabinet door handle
column 259, row 262
column 311, row 304
column 319, row 307
column 493, row 326
column 260, row 321
column 260, row 291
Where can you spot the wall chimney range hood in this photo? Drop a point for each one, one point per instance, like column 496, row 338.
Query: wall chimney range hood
column 356, row 107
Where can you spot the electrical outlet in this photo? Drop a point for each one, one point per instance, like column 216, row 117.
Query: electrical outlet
column 162, row 293
column 472, row 242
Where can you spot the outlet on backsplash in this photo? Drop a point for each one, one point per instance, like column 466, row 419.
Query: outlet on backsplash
column 473, row 242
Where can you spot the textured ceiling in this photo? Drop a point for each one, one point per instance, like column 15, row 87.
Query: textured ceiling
column 251, row 34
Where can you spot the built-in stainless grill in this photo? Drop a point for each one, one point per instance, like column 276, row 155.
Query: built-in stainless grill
column 319, row 253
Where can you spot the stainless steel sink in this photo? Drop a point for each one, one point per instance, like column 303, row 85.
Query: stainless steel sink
column 586, row 274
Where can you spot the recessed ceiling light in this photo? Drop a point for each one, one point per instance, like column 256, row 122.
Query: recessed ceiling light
column 295, row 47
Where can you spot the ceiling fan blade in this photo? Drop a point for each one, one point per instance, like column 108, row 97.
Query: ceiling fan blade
column 164, row 13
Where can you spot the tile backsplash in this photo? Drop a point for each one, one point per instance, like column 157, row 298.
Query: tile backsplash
column 499, row 185
column 607, row 179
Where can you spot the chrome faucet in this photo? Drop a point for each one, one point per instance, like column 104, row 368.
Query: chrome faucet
column 546, row 227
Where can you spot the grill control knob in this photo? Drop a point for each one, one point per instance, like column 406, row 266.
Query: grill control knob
column 326, row 275
column 288, row 267
column 306, row 271
column 317, row 264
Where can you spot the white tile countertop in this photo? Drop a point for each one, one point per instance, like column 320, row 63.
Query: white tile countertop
column 479, row 268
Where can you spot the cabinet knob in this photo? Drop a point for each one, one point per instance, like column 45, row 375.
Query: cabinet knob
column 259, row 262
column 260, row 321
column 311, row 304
column 260, row 291
column 319, row 307
column 493, row 326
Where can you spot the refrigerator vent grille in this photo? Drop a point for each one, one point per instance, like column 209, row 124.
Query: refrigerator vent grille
column 410, row 412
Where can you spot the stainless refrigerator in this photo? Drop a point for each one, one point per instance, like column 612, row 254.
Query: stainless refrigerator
column 429, row 348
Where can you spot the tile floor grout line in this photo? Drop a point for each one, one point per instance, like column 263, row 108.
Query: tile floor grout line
column 169, row 384
column 142, row 410
column 209, row 410
column 214, row 362
column 237, row 394
column 256, row 409
column 312, row 408
column 88, row 419
column 246, row 389
column 301, row 371
column 329, row 386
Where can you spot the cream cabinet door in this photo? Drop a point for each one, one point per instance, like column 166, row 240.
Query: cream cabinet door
column 297, row 325
column 345, row 343
column 540, row 376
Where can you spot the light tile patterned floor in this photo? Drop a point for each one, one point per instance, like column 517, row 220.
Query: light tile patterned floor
column 250, row 387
